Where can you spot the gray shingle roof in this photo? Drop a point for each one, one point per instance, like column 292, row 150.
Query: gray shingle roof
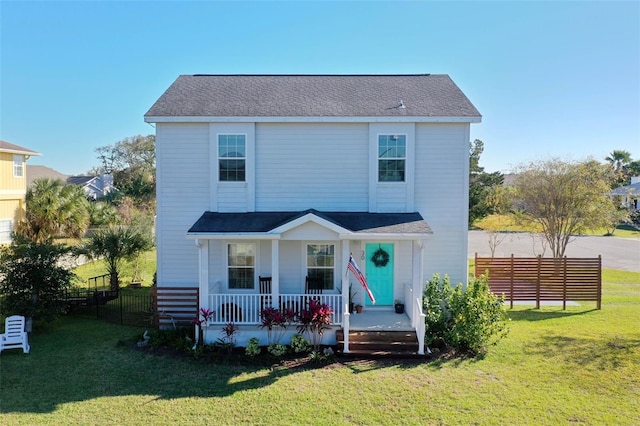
column 17, row 149
column 357, row 222
column 629, row 190
column 423, row 95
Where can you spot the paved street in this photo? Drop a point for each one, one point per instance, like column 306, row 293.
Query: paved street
column 617, row 253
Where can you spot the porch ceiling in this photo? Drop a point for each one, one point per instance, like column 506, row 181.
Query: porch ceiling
column 361, row 224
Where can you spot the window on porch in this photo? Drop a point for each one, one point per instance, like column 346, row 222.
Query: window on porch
column 321, row 263
column 241, row 265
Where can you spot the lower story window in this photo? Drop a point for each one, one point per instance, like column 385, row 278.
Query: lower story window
column 321, row 263
column 241, row 265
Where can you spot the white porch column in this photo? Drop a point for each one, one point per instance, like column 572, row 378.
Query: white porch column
column 346, row 252
column 203, row 275
column 275, row 273
column 418, row 268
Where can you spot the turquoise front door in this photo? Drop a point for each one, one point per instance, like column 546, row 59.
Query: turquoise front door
column 379, row 273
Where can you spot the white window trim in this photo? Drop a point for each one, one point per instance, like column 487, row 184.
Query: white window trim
column 231, row 182
column 387, row 182
column 335, row 260
column 18, row 165
column 255, row 267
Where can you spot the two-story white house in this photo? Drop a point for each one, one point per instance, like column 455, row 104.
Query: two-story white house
column 286, row 176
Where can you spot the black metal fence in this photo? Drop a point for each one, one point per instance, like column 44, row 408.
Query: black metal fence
column 124, row 306
column 131, row 307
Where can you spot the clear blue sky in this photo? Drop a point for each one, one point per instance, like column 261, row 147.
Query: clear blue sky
column 550, row 78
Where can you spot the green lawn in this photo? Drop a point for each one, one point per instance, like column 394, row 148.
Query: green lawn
column 147, row 267
column 555, row 367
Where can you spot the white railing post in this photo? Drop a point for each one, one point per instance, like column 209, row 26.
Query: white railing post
column 420, row 327
column 345, row 328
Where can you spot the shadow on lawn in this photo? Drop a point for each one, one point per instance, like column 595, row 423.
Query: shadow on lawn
column 533, row 314
column 81, row 361
column 604, row 354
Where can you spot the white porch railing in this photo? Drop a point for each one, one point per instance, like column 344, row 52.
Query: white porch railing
column 245, row 308
column 420, row 325
column 416, row 316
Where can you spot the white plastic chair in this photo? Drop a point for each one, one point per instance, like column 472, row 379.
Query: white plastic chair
column 14, row 336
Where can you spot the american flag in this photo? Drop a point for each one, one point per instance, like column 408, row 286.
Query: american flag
column 360, row 276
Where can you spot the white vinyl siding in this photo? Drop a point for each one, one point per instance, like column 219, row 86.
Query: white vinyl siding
column 442, row 197
column 391, row 197
column 322, row 166
column 182, row 152
column 232, row 196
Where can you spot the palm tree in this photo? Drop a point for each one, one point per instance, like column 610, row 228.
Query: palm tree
column 618, row 159
column 54, row 209
column 115, row 245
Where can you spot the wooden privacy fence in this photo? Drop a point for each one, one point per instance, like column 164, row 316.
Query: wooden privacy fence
column 175, row 306
column 543, row 279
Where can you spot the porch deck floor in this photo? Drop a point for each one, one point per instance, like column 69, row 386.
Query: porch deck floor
column 379, row 319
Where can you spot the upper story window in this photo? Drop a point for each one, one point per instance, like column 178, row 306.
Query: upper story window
column 241, row 265
column 392, row 155
column 321, row 263
column 18, row 166
column 232, row 155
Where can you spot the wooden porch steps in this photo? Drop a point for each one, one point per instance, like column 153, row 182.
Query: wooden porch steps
column 399, row 344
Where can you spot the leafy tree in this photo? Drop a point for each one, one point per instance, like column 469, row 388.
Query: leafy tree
column 54, row 209
column 481, row 184
column 32, row 276
column 132, row 162
column 103, row 214
column 116, row 245
column 563, row 198
column 618, row 160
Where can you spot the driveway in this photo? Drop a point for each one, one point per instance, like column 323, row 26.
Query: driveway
column 617, row 253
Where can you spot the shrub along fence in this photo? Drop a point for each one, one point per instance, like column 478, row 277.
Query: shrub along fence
column 543, row 279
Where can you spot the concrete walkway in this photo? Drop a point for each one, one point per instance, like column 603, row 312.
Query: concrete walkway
column 617, row 253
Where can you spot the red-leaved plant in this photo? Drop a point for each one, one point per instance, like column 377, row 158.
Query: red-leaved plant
column 206, row 315
column 276, row 322
column 315, row 320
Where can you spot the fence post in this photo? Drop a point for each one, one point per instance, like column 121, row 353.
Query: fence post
column 599, row 290
column 538, row 282
column 511, row 282
column 564, row 283
column 120, row 299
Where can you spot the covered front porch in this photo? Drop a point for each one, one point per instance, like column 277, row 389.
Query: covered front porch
column 303, row 256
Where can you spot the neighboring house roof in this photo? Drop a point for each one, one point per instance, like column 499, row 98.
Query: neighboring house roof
column 629, row 190
column 417, row 95
column 42, row 172
column 16, row 149
column 80, row 180
column 356, row 222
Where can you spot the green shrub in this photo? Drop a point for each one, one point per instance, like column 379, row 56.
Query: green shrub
column 468, row 319
column 277, row 350
column 437, row 294
column 253, row 348
column 299, row 344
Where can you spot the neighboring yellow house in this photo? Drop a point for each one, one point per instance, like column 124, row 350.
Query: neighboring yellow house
column 13, row 186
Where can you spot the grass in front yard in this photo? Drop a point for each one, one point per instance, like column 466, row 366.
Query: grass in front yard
column 98, row 267
column 555, row 367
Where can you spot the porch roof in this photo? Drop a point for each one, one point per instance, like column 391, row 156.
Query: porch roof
column 357, row 224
